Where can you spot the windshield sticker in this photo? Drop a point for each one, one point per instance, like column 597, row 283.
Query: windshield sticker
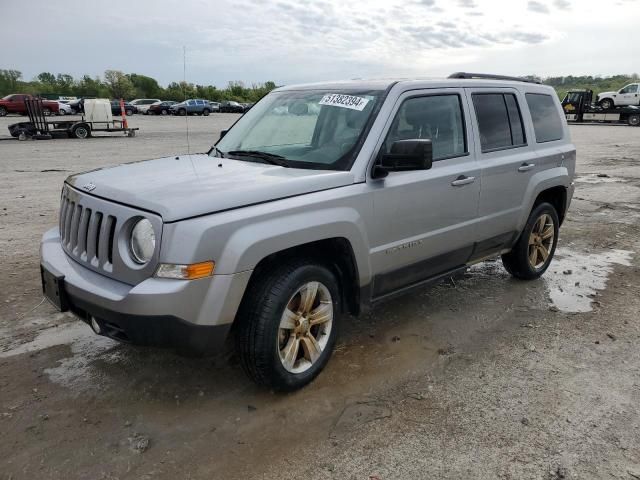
column 344, row 101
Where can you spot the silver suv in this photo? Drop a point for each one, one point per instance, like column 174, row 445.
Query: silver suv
column 322, row 200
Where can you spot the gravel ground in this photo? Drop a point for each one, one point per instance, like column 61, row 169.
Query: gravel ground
column 477, row 377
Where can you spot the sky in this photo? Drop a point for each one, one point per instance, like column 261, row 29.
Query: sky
column 297, row 41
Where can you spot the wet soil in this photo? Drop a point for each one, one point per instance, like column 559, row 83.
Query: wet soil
column 479, row 376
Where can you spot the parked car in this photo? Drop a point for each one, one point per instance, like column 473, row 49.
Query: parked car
column 128, row 108
column 378, row 194
column 626, row 96
column 162, row 108
column 215, row 106
column 192, row 106
column 15, row 104
column 231, row 107
column 64, row 108
column 143, row 104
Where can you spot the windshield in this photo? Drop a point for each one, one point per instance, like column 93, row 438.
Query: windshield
column 304, row 128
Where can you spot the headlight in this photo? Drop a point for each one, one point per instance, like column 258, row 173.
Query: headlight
column 143, row 241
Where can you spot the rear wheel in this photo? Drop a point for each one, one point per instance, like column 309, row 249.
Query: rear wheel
column 606, row 103
column 81, row 131
column 633, row 120
column 164, row 111
column 206, row 112
column 3, row 112
column 287, row 325
column 46, row 111
column 534, row 250
column 128, row 112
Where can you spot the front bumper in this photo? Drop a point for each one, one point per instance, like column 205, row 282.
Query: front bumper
column 194, row 315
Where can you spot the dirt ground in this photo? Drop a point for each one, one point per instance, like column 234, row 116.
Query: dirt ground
column 476, row 377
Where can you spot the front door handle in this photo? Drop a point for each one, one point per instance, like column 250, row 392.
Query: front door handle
column 525, row 167
column 463, row 180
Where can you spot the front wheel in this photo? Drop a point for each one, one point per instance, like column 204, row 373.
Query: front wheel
column 3, row 112
column 287, row 325
column 607, row 103
column 534, row 250
column 46, row 111
column 182, row 112
column 633, row 120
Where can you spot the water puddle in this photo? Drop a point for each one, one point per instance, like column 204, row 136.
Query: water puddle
column 574, row 277
column 77, row 372
column 62, row 335
column 595, row 178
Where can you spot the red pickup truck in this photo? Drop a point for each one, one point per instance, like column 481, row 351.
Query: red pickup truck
column 15, row 104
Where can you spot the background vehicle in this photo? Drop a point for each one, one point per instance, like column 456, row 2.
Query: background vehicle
column 162, row 108
column 627, row 95
column 192, row 106
column 299, row 218
column 64, row 108
column 578, row 108
column 231, row 107
column 215, row 106
column 15, row 104
column 128, row 108
column 143, row 104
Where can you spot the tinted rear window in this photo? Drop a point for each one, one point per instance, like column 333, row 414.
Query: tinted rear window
column 499, row 121
column 546, row 120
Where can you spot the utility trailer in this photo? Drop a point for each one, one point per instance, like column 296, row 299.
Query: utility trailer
column 578, row 107
column 97, row 117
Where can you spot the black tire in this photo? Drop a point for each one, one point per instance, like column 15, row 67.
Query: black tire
column 81, row 131
column 517, row 261
column 206, row 112
column 128, row 112
column 258, row 323
column 606, row 103
column 164, row 111
column 633, row 120
column 3, row 111
column 46, row 111
column 182, row 112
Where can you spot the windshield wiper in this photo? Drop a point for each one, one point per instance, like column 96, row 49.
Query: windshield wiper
column 266, row 157
column 217, row 151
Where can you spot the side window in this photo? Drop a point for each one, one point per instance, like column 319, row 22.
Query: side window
column 200, row 102
column 437, row 118
column 630, row 89
column 191, row 102
column 546, row 120
column 499, row 121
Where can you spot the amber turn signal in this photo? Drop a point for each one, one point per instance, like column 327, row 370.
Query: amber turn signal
column 185, row 272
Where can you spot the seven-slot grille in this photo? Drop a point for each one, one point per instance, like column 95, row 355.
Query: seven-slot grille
column 87, row 234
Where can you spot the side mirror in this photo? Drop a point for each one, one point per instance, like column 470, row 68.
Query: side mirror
column 405, row 155
column 223, row 133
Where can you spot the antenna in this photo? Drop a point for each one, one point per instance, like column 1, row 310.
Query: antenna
column 184, row 93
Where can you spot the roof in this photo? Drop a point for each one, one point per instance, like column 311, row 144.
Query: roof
column 383, row 84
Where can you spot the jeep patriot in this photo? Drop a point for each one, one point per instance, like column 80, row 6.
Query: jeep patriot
column 322, row 200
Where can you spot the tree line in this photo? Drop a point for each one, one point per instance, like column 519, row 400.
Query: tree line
column 116, row 84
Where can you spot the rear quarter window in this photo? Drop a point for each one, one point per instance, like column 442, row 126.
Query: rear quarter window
column 547, row 124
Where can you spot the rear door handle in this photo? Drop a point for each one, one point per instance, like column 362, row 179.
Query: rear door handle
column 525, row 167
column 463, row 180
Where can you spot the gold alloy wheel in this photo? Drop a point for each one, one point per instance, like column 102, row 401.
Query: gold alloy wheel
column 541, row 241
column 305, row 327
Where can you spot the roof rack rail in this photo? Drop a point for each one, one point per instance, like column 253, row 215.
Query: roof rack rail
column 489, row 76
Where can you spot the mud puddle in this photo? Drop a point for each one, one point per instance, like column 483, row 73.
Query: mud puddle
column 574, row 277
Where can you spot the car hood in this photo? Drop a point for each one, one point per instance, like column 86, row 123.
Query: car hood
column 606, row 94
column 191, row 185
